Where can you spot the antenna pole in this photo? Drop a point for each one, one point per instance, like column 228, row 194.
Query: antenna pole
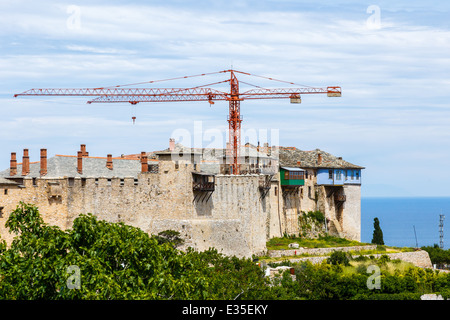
column 415, row 235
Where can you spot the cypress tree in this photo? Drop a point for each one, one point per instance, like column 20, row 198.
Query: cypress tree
column 377, row 233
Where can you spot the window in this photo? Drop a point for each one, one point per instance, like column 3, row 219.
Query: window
column 352, row 174
column 330, row 174
column 309, row 192
column 357, row 175
column 71, row 182
column 5, row 192
column 338, row 174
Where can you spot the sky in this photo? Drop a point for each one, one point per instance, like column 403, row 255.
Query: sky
column 391, row 59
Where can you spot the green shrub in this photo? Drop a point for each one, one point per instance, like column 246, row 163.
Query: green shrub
column 339, row 258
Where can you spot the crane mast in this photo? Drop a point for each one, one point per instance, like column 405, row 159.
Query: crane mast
column 122, row 93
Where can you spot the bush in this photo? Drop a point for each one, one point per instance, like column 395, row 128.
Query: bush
column 339, row 258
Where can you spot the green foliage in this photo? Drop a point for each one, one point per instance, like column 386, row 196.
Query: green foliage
column 437, row 255
column 320, row 242
column 116, row 261
column 339, row 257
column 377, row 233
column 169, row 236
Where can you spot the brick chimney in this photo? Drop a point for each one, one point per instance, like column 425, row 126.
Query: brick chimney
column 25, row 163
column 80, row 162
column 144, row 161
column 83, row 151
column 109, row 162
column 171, row 144
column 319, row 159
column 43, row 162
column 13, row 165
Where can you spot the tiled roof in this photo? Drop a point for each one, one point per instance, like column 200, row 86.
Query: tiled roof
column 293, row 157
column 66, row 166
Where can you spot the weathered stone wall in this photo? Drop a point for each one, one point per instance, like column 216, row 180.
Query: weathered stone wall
column 418, row 258
column 351, row 215
column 52, row 209
column 317, row 251
column 233, row 220
column 236, row 219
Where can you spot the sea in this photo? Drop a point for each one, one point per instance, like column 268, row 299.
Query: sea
column 406, row 222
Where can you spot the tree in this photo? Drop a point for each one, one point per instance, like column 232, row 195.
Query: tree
column 115, row 261
column 377, row 233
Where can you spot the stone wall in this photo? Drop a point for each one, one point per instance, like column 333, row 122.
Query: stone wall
column 317, row 251
column 419, row 258
column 234, row 219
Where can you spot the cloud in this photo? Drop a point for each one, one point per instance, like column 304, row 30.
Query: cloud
column 394, row 79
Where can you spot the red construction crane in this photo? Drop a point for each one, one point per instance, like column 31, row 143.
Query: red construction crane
column 199, row 93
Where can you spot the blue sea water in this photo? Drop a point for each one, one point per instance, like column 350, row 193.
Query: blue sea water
column 399, row 216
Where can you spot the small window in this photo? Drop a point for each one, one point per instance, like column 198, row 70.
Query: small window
column 276, row 191
column 1, row 212
column 309, row 192
column 34, row 182
column 5, row 192
column 109, row 182
column 330, row 174
column 71, row 182
column 83, row 182
column 357, row 175
column 136, row 182
column 177, row 165
column 122, row 182
column 96, row 181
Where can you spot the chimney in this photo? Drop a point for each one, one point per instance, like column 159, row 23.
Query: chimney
column 171, row 144
column 80, row 162
column 109, row 162
column 299, row 163
column 25, row 163
column 43, row 162
column 13, row 165
column 83, row 151
column 144, row 161
column 319, row 159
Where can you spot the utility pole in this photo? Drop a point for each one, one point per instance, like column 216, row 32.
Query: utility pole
column 441, row 230
column 415, row 235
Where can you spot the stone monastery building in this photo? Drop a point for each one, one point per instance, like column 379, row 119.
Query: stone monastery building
column 191, row 191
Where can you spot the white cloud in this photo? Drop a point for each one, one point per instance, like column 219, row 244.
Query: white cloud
column 394, row 79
